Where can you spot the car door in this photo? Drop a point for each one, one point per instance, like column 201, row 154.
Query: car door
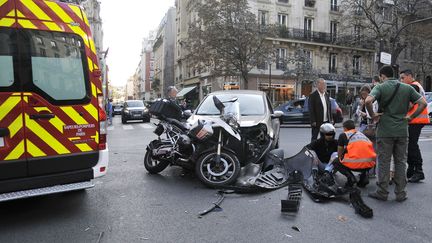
column 306, row 112
column 13, row 162
column 60, row 114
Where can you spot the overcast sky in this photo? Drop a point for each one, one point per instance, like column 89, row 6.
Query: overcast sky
column 125, row 24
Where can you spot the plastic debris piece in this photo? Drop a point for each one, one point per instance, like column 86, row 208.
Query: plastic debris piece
column 287, row 235
column 292, row 203
column 100, row 236
column 342, row 218
column 296, row 228
column 87, row 229
column 216, row 205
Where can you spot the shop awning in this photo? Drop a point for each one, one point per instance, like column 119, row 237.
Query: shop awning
column 185, row 91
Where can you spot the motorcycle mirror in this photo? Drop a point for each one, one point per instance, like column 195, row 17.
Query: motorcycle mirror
column 187, row 113
column 219, row 105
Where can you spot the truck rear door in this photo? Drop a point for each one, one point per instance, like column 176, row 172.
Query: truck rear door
column 60, row 108
column 12, row 140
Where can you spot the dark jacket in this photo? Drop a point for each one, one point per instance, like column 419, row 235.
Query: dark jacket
column 316, row 109
column 323, row 148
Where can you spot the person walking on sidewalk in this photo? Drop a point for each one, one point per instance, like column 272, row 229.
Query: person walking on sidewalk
column 415, row 161
column 319, row 108
column 392, row 131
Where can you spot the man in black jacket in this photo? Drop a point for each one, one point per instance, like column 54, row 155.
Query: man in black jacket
column 319, row 108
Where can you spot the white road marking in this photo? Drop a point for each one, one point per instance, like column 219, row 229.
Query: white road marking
column 128, row 127
column 147, row 126
column 425, row 139
column 110, row 128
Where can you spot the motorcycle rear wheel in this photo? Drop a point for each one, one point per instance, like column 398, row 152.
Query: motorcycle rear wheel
column 214, row 175
column 154, row 166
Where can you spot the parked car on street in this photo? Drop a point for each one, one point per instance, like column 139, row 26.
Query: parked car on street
column 297, row 111
column 256, row 115
column 117, row 108
column 134, row 110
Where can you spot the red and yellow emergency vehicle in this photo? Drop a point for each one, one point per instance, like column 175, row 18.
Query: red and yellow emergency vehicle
column 52, row 121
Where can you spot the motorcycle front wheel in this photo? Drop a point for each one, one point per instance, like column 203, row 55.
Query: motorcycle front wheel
column 215, row 174
column 154, row 166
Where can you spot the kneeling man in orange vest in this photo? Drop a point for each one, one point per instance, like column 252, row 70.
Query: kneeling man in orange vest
column 355, row 153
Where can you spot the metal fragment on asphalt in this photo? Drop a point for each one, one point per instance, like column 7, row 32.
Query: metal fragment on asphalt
column 296, row 228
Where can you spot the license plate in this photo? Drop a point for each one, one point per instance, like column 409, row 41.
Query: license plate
column 2, row 142
column 137, row 115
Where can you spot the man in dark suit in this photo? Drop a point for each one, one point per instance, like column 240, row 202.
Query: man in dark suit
column 319, row 107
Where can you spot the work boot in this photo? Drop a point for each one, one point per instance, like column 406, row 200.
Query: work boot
column 363, row 180
column 416, row 178
column 376, row 195
column 410, row 171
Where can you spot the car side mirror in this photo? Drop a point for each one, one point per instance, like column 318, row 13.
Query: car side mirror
column 277, row 114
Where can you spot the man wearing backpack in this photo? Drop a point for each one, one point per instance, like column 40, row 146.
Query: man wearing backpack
column 392, row 130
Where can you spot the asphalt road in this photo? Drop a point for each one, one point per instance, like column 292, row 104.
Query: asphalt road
column 129, row 205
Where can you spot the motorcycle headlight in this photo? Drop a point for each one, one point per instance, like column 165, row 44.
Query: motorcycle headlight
column 233, row 123
column 126, row 111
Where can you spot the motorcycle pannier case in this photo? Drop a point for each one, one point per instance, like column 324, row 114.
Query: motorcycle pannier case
column 164, row 108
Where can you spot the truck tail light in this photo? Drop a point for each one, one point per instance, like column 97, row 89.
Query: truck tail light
column 102, row 124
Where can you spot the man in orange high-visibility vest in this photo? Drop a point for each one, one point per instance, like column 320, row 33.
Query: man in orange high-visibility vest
column 356, row 153
column 415, row 161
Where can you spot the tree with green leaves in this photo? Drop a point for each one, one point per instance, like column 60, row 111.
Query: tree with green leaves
column 225, row 39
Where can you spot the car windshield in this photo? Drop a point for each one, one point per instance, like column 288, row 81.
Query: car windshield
column 135, row 104
column 250, row 104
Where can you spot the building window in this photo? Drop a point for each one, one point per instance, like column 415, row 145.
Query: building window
column 333, row 63
column 356, row 65
column 357, row 32
column 308, row 59
column 280, row 59
column 388, row 13
column 283, row 20
column 359, row 9
column 308, row 24
column 310, row 3
column 333, row 30
column 333, row 5
column 262, row 17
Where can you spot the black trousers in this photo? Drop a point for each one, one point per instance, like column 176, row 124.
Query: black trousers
column 345, row 171
column 415, row 160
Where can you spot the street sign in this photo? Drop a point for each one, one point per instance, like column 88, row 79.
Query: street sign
column 385, row 58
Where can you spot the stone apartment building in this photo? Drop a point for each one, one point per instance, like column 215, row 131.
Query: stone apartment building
column 305, row 26
column 164, row 49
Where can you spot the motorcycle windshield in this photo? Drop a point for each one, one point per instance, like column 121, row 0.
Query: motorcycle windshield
column 233, row 109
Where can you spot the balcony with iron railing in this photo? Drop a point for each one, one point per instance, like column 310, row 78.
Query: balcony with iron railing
column 324, row 38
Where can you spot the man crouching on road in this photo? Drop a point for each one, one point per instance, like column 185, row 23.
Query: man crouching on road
column 355, row 153
column 392, row 130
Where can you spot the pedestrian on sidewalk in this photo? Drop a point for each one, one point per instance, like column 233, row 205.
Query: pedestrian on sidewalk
column 392, row 131
column 319, row 108
column 415, row 161
column 367, row 127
